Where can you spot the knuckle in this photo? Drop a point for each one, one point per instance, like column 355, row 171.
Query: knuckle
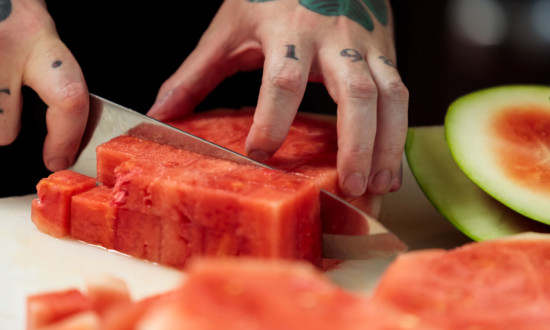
column 288, row 80
column 395, row 89
column 73, row 98
column 392, row 150
column 358, row 151
column 361, row 88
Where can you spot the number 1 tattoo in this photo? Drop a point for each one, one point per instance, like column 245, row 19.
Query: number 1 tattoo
column 5, row 9
column 291, row 52
column 6, row 91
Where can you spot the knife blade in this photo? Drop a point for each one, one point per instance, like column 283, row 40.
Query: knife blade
column 348, row 232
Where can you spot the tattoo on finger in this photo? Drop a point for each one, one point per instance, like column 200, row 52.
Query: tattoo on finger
column 386, row 61
column 56, row 64
column 6, row 91
column 291, row 52
column 5, row 9
column 352, row 53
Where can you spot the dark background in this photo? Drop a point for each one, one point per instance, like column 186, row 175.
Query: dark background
column 445, row 49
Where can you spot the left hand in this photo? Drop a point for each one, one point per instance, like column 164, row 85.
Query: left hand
column 297, row 42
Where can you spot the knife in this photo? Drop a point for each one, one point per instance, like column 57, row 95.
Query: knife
column 348, row 232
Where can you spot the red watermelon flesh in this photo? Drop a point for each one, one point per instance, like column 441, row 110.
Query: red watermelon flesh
column 93, row 217
column 310, row 148
column 46, row 309
column 138, row 234
column 51, row 211
column 523, row 145
column 253, row 294
column 222, row 208
column 488, row 285
column 124, row 147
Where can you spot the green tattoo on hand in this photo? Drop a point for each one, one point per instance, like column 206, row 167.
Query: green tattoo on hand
column 353, row 9
column 5, row 9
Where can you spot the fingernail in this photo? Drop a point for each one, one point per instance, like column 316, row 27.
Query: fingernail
column 258, row 155
column 59, row 163
column 397, row 180
column 381, row 181
column 354, row 185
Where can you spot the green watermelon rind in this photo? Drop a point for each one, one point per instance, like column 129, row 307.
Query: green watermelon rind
column 454, row 195
column 469, row 143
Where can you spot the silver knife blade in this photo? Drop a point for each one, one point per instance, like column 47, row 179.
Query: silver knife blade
column 348, row 232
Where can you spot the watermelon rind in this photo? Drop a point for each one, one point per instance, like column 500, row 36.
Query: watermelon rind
column 468, row 131
column 454, row 195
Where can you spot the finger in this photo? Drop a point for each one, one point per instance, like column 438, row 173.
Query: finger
column 205, row 68
column 284, row 81
column 10, row 110
column 54, row 74
column 349, row 81
column 393, row 99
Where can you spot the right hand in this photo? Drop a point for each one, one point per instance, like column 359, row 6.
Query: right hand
column 31, row 54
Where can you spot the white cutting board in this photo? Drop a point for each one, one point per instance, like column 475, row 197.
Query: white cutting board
column 32, row 262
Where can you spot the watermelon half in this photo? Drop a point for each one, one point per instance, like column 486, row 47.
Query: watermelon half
column 500, row 137
column 454, row 195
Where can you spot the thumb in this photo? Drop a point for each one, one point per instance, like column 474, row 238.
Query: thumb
column 55, row 75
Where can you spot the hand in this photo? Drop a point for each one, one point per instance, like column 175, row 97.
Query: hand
column 344, row 47
column 32, row 54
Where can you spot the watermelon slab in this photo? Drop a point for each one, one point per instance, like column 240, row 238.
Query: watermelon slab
column 500, row 137
column 222, row 209
column 51, row 211
column 260, row 294
column 454, row 195
column 310, row 148
column 498, row 284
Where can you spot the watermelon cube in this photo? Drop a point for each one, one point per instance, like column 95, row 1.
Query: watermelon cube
column 46, row 309
column 51, row 211
column 93, row 217
column 138, row 234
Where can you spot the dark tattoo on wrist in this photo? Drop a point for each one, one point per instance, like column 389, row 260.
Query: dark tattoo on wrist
column 386, row 61
column 56, row 64
column 291, row 52
column 352, row 53
column 5, row 9
column 357, row 10
column 6, row 91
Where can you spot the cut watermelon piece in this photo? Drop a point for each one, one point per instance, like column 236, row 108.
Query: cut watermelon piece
column 51, row 211
column 93, row 217
column 138, row 234
column 500, row 284
column 106, row 292
column 253, row 294
column 500, row 137
column 222, row 208
column 46, row 309
column 124, row 147
column 310, row 148
column 454, row 195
